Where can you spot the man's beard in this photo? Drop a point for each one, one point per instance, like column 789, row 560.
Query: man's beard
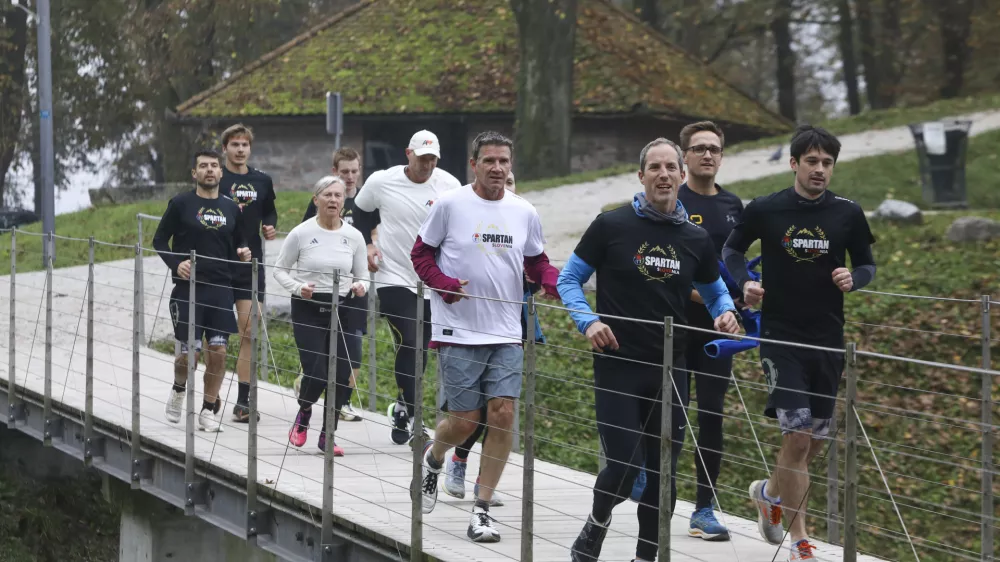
column 208, row 187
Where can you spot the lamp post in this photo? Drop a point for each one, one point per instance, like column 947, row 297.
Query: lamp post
column 45, row 118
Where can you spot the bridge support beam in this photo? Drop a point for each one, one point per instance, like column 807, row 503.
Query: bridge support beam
column 155, row 531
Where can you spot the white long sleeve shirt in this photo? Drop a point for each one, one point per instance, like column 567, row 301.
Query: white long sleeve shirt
column 311, row 253
column 403, row 206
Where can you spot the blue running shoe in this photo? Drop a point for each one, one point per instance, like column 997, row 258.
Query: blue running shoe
column 704, row 525
column 639, row 485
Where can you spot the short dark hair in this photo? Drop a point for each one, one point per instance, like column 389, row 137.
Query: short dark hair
column 701, row 126
column 345, row 154
column 490, row 138
column 205, row 152
column 237, row 130
column 807, row 138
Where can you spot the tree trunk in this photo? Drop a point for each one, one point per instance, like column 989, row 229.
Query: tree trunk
column 868, row 52
column 846, row 38
column 888, row 46
column 13, row 45
column 649, row 14
column 956, row 25
column 781, row 30
column 546, row 32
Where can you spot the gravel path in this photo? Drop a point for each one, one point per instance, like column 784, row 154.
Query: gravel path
column 567, row 211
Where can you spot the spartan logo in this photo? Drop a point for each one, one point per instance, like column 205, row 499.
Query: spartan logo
column 492, row 239
column 212, row 219
column 770, row 374
column 805, row 244
column 244, row 194
column 657, row 263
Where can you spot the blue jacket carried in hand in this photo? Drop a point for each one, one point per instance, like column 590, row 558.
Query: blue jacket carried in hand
column 721, row 348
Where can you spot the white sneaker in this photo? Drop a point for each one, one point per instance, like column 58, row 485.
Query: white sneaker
column 175, row 405
column 481, row 527
column 429, row 483
column 348, row 413
column 209, row 422
column 768, row 514
column 454, row 481
column 496, row 501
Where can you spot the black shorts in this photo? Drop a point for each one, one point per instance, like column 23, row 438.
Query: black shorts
column 215, row 319
column 243, row 283
column 799, row 378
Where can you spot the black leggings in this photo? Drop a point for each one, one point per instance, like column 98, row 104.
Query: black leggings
column 711, row 380
column 311, row 325
column 399, row 307
column 462, row 451
column 628, row 404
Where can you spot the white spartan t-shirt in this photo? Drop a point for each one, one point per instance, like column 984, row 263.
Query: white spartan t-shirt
column 484, row 242
column 403, row 206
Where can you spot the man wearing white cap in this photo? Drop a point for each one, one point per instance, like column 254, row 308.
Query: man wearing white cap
column 403, row 196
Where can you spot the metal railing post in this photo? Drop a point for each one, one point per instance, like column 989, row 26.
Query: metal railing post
column 189, row 483
column 666, row 440
column 11, row 338
column 416, row 491
column 137, row 340
column 528, row 486
column 140, row 304
column 515, row 438
column 372, row 340
column 251, row 527
column 832, row 495
column 329, row 406
column 851, row 457
column 88, row 401
column 986, row 522
column 47, row 407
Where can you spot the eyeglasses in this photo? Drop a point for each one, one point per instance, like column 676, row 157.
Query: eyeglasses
column 702, row 148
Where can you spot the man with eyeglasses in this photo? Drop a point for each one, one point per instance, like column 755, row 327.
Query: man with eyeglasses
column 717, row 211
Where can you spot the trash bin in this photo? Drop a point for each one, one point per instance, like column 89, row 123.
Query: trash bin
column 941, row 147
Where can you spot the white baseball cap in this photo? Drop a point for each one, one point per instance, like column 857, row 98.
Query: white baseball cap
column 425, row 142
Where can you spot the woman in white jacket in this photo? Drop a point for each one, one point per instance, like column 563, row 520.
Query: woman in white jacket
column 309, row 256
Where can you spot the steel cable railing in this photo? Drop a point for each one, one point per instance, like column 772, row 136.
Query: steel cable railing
column 559, row 398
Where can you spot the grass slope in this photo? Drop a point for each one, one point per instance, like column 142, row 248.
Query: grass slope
column 55, row 520
column 913, row 259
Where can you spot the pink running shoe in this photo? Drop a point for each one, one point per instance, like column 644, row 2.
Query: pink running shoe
column 300, row 429
column 338, row 451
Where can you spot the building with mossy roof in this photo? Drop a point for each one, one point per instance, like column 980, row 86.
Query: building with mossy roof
column 451, row 66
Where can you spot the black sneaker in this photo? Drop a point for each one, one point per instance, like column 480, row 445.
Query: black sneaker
column 400, row 423
column 241, row 413
column 587, row 546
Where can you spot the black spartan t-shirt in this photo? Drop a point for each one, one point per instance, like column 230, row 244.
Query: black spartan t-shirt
column 211, row 227
column 801, row 243
column 645, row 270
column 254, row 193
column 717, row 214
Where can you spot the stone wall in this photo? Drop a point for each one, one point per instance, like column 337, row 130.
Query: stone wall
column 295, row 156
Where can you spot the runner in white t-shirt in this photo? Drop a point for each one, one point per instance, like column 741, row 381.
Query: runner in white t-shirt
column 403, row 196
column 478, row 241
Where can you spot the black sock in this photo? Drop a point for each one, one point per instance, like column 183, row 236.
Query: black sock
column 483, row 504
column 179, row 387
column 244, row 394
column 206, row 405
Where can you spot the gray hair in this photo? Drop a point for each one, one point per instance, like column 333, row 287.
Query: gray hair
column 325, row 182
column 490, row 138
column 658, row 142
